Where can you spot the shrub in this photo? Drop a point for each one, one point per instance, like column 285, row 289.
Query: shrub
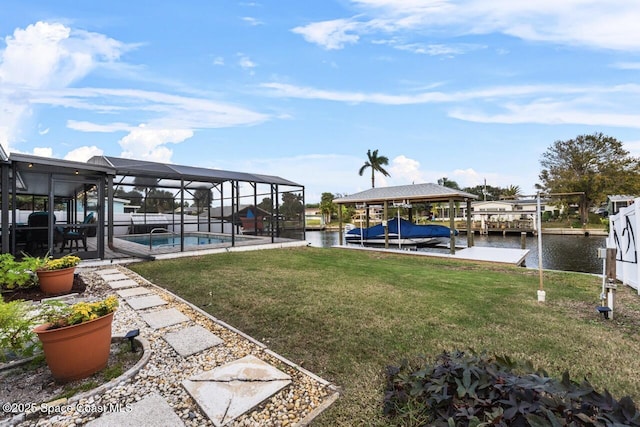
column 18, row 274
column 16, row 324
column 476, row 390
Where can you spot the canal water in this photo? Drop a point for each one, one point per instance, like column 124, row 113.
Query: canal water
column 567, row 253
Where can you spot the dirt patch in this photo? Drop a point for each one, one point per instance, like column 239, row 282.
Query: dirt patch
column 35, row 294
column 33, row 382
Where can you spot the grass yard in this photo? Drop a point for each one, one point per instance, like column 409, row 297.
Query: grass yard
column 346, row 314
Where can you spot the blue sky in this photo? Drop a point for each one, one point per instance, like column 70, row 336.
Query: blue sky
column 468, row 89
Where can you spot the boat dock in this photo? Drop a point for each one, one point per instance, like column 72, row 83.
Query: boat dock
column 476, row 253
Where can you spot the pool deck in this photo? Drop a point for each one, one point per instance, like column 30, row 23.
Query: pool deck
column 124, row 251
column 475, row 253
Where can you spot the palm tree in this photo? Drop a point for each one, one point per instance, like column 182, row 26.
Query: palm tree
column 375, row 162
column 511, row 192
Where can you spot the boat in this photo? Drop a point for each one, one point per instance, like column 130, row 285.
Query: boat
column 410, row 234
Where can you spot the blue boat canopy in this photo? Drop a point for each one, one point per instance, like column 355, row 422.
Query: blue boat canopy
column 407, row 230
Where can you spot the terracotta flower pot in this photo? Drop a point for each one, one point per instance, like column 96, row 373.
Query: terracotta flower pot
column 77, row 351
column 56, row 281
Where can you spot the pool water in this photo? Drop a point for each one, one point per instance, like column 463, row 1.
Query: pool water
column 190, row 239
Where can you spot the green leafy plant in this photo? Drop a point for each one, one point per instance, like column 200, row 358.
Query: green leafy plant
column 16, row 274
column 17, row 320
column 58, row 314
column 462, row 389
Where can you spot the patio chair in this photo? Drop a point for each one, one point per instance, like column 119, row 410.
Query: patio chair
column 38, row 237
column 76, row 235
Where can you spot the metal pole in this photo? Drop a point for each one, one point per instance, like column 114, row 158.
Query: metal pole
column 339, row 225
column 452, row 228
column 541, row 292
column 399, row 235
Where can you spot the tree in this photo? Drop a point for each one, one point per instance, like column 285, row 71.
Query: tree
column 511, row 192
column 266, row 204
column 376, row 164
column 596, row 165
column 484, row 192
column 292, row 207
column 202, row 198
column 327, row 207
column 134, row 197
column 446, row 182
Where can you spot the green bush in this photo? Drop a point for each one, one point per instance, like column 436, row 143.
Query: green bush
column 475, row 390
column 18, row 274
column 16, row 324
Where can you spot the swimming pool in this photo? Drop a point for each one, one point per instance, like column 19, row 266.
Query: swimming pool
column 170, row 240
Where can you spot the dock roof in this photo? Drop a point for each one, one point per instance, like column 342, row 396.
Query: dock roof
column 427, row 192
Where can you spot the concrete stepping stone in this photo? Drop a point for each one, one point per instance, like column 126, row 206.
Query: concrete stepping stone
column 115, row 276
column 108, row 271
column 121, row 284
column 134, row 292
column 192, row 340
column 163, row 318
column 140, row 303
column 152, row 411
column 228, row 391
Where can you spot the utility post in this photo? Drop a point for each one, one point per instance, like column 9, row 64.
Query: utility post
column 611, row 285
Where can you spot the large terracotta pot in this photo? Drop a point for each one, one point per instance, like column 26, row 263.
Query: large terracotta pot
column 56, row 281
column 77, row 351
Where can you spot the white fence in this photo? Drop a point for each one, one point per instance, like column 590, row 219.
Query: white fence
column 624, row 229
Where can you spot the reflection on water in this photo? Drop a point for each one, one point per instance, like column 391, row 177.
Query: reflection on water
column 568, row 253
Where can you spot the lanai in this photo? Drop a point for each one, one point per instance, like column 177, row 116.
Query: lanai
column 54, row 183
column 406, row 196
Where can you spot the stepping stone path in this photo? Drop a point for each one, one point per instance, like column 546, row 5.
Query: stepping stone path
column 163, row 318
column 134, row 292
column 192, row 340
column 223, row 393
column 140, row 303
column 153, row 410
column 228, row 391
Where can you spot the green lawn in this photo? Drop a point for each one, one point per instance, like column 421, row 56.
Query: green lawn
column 346, row 314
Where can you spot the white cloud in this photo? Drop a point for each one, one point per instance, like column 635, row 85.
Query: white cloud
column 84, row 126
column 448, row 50
column 591, row 23
column 52, row 55
column 43, row 151
column 588, row 105
column 554, row 113
column 404, row 170
column 164, row 110
column 150, row 143
column 45, row 56
column 218, row 60
column 251, row 21
column 627, row 65
column 41, row 61
column 82, row 154
column 330, row 34
column 245, row 62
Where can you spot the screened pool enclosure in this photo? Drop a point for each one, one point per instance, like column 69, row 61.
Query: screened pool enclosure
column 114, row 207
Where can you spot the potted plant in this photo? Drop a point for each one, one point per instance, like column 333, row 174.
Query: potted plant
column 56, row 275
column 76, row 339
